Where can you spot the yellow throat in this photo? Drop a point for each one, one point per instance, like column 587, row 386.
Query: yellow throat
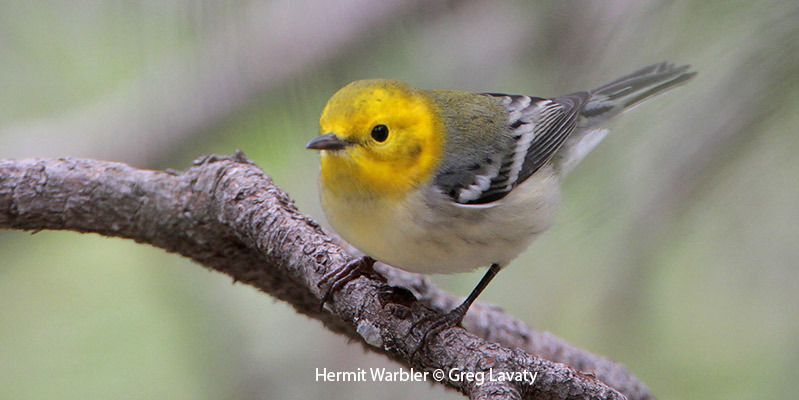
column 368, row 168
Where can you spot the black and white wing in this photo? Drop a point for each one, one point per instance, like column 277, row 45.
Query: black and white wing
column 538, row 128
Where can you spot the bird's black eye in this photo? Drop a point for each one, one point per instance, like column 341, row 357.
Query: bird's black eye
column 380, row 133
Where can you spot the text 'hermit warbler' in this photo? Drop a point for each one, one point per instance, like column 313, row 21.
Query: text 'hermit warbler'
column 440, row 181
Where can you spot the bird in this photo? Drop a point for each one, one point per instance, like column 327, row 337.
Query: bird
column 446, row 181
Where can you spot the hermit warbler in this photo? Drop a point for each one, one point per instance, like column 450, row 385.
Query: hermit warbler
column 441, row 181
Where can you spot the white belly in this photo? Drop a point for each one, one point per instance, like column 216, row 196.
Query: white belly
column 433, row 235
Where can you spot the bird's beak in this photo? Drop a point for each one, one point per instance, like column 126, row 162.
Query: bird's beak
column 327, row 142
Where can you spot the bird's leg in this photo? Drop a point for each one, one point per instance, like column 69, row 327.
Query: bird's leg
column 337, row 278
column 441, row 322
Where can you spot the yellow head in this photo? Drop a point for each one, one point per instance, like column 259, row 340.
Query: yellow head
column 379, row 139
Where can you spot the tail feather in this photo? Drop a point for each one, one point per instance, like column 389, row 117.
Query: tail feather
column 611, row 99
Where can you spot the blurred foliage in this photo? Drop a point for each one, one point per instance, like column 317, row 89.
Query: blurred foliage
column 674, row 253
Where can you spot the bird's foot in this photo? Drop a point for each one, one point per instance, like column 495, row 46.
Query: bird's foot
column 431, row 326
column 334, row 280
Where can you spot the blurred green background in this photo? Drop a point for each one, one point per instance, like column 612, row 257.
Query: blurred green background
column 675, row 250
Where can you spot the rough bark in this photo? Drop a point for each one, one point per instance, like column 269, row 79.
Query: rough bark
column 227, row 215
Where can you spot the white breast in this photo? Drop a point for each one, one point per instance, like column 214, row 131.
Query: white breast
column 430, row 234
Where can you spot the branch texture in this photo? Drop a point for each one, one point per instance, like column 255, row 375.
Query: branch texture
column 227, row 215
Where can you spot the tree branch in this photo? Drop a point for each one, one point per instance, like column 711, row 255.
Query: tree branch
column 227, row 215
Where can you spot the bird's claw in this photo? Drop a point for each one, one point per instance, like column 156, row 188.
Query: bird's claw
column 435, row 324
column 334, row 280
